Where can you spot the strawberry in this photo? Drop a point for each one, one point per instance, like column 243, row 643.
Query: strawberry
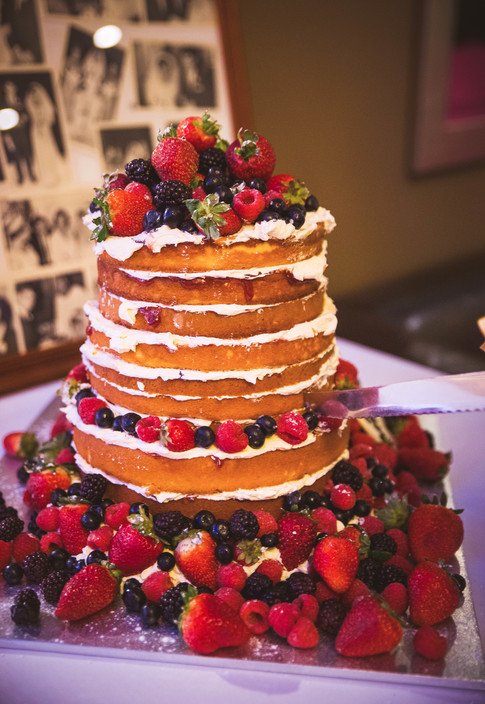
column 279, row 183
column 208, row 623
column 65, row 456
column 231, row 575
column 5, row 553
column 23, row 545
column 250, row 156
column 79, row 373
column 140, row 190
column 231, row 597
column 346, row 375
column 230, row 437
column 60, row 425
column 325, row 518
column 412, row 435
column 155, row 585
column 135, row 546
column 434, row 533
column 126, row 212
column 72, row 532
column 51, row 541
column 20, row 445
column 195, row 557
column 175, row 159
column 396, row 595
column 425, row 463
column 178, row 435
column 336, row 561
column 385, row 454
column 232, row 223
column 248, row 204
column 356, row 589
column 296, row 533
column 40, row 486
column 87, row 592
column 433, row 595
column 201, row 132
column 272, row 568
column 368, row 629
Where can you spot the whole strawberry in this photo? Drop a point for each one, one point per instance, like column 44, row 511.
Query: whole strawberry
column 201, row 132
column 296, row 537
column 126, row 211
column 336, row 560
column 434, row 533
column 88, row 591
column 40, row 486
column 135, row 546
column 250, row 156
column 175, row 158
column 346, row 376
column 195, row 557
column 425, row 463
column 433, row 595
column 368, row 629
column 208, row 623
column 73, row 533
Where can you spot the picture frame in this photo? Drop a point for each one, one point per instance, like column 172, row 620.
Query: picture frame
column 449, row 128
column 21, row 367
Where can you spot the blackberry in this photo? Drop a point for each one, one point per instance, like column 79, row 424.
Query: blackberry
column 52, row 586
column 277, row 594
column 10, row 527
column 142, row 170
column 36, row 566
column 7, row 512
column 244, row 525
column 26, row 608
column 331, row 615
column 382, row 542
column 389, row 574
column 170, row 523
column 93, row 487
column 300, row 583
column 257, row 584
column 170, row 193
column 346, row 473
column 172, row 602
column 212, row 158
column 368, row 572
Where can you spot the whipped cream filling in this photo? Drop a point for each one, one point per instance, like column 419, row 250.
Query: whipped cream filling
column 122, row 248
column 91, row 353
column 258, row 494
column 122, row 339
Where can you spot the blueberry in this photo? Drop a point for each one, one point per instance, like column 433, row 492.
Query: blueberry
column 56, row 495
column 139, row 507
column 224, row 553
column 268, row 425
column 134, row 599
column 258, row 184
column 117, row 423
column 269, row 540
column 295, row 216
column 93, row 207
column 380, row 470
column 13, row 574
column 204, row 520
column 152, row 220
column 256, row 435
column 362, row 508
column 460, row 581
column 74, row 489
column 278, row 205
column 58, row 558
column 99, row 509
column 225, row 194
column 129, row 421
column 104, row 418
column 213, row 181
column 106, row 502
column 266, row 215
column 166, row 561
column 84, row 393
column 96, row 557
column 22, row 475
column 321, row 536
column 189, row 226
column 311, row 499
column 311, row 203
column 150, row 614
column 221, row 530
column 293, row 501
column 90, row 520
column 131, row 583
column 173, row 216
column 377, row 486
column 204, row 436
column 311, row 419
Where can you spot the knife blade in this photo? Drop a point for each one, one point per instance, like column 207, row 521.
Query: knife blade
column 441, row 394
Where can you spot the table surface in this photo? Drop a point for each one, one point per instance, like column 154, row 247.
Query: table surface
column 33, row 674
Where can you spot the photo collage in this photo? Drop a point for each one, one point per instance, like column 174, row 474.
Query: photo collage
column 82, row 111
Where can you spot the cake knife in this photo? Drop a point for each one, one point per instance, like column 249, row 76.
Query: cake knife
column 441, row 394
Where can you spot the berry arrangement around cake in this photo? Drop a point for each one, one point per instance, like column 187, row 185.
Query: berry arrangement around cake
column 213, row 319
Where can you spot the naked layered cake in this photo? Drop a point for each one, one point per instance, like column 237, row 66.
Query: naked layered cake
column 213, row 320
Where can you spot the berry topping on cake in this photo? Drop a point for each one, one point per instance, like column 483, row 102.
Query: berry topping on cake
column 250, row 156
column 148, row 429
column 126, row 212
column 178, row 435
column 248, row 204
column 142, row 171
column 174, row 158
column 201, row 132
column 230, row 437
column 292, row 428
column 212, row 217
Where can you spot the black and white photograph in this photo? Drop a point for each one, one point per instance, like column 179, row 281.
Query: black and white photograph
column 34, row 147
column 8, row 342
column 20, row 41
column 90, row 84
column 112, row 10
column 174, row 75
column 35, row 307
column 45, row 230
column 119, row 145
column 71, row 294
column 186, row 11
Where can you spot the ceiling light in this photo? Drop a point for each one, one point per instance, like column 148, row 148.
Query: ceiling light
column 8, row 118
column 107, row 36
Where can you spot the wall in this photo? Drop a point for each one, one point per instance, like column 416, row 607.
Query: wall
column 332, row 84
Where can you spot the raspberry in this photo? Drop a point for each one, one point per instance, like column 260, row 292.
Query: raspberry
column 429, row 643
column 282, row 617
column 10, row 527
column 254, row 613
column 401, row 540
column 26, row 608
column 327, row 424
column 93, row 487
column 346, row 473
column 231, row 597
column 401, row 562
column 323, row 592
column 244, row 525
column 300, row 583
column 116, row 514
column 303, row 634
column 155, row 585
column 141, row 170
column 271, row 568
column 171, row 193
column 87, row 408
column 325, row 519
column 357, row 588
column 23, row 545
column 230, row 437
column 168, row 524
column 331, row 615
column 148, row 429
column 52, row 586
column 396, row 596
column 36, row 566
column 372, row 524
column 50, row 541
column 248, row 204
column 180, row 435
column 100, row 539
column 5, row 553
column 267, row 523
column 231, row 575
column 65, row 456
column 232, row 223
column 292, row 428
column 308, row 606
column 342, row 497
